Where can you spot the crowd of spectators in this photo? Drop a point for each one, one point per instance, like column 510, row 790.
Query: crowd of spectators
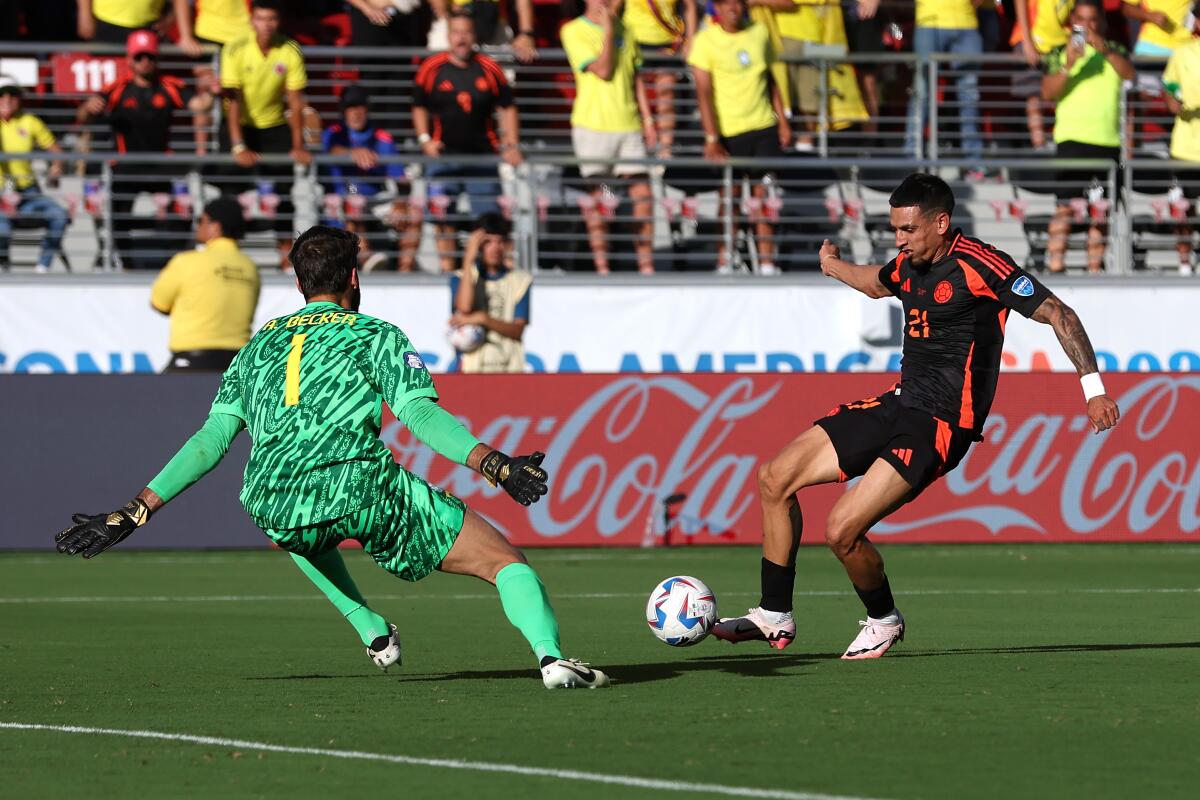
column 750, row 103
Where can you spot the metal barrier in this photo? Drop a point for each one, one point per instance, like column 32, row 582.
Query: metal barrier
column 134, row 211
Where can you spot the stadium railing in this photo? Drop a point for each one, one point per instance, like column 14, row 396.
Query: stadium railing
column 807, row 199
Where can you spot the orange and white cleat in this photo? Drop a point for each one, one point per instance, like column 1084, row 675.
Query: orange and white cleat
column 778, row 629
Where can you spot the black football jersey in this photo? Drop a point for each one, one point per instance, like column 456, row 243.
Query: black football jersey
column 954, row 316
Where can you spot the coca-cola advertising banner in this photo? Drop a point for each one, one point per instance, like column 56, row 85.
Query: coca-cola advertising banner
column 642, row 459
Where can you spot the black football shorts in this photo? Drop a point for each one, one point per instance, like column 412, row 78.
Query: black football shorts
column 920, row 446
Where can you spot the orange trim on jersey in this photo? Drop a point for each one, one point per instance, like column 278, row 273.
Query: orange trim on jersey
column 1003, row 319
column 942, row 442
column 989, row 259
column 114, row 93
column 427, row 72
column 966, row 412
column 494, row 73
column 842, row 477
column 896, row 269
column 172, row 86
column 975, row 282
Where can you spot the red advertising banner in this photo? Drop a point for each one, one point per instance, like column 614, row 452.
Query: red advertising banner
column 618, row 446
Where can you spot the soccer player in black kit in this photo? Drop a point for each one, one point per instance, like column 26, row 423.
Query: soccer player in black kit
column 957, row 293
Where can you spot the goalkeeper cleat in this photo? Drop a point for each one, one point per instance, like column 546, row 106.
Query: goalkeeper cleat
column 571, row 673
column 776, row 629
column 875, row 637
column 385, row 650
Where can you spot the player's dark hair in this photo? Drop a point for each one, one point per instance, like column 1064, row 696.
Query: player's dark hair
column 928, row 192
column 269, row 5
column 227, row 212
column 323, row 258
column 1096, row 4
column 461, row 12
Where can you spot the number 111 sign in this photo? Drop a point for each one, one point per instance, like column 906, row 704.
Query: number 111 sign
column 81, row 73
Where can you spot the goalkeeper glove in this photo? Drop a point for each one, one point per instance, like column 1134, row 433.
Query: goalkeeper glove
column 92, row 535
column 521, row 477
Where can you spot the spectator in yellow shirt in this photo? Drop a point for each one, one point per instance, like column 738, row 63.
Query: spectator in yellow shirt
column 1166, row 25
column 948, row 26
column 741, row 107
column 113, row 20
column 20, row 132
column 263, row 80
column 659, row 29
column 610, row 119
column 216, row 22
column 209, row 294
column 1040, row 29
column 1181, row 79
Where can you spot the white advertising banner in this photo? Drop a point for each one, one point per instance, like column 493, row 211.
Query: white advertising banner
column 716, row 327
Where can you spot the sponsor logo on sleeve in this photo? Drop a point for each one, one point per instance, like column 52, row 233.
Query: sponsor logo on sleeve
column 413, row 360
column 1023, row 286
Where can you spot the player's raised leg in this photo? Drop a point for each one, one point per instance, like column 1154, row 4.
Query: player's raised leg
column 880, row 492
column 328, row 573
column 808, row 460
column 480, row 551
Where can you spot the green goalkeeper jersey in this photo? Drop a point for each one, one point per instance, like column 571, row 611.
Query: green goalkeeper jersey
column 310, row 388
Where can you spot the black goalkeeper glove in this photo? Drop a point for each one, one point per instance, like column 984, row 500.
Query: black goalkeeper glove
column 521, row 476
column 92, row 535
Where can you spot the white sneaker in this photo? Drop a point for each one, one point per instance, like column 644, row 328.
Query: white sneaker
column 875, row 638
column 571, row 673
column 389, row 651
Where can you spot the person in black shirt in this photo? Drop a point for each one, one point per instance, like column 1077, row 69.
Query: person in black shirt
column 140, row 110
column 457, row 93
column 957, row 293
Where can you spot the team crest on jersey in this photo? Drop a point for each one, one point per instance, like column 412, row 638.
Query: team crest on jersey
column 743, row 58
column 1023, row 286
column 943, row 292
column 481, row 84
column 413, row 360
column 280, row 69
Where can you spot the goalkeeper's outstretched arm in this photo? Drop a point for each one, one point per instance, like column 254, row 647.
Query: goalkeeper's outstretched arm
column 521, row 476
column 92, row 534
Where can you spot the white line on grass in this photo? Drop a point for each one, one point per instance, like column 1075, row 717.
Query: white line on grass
column 291, row 598
column 443, row 763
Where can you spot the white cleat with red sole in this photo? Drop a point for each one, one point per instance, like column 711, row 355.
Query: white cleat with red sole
column 755, row 626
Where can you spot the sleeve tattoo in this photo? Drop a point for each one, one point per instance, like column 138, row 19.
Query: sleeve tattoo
column 1070, row 332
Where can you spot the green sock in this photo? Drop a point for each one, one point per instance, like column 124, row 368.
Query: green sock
column 528, row 608
column 328, row 572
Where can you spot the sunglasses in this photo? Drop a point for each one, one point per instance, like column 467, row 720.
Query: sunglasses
column 141, row 56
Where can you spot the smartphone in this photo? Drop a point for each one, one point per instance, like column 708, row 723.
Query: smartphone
column 1078, row 36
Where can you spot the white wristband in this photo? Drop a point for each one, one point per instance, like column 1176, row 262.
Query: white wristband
column 423, row 138
column 1093, row 385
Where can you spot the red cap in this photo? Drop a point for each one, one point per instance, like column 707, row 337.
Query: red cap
column 142, row 41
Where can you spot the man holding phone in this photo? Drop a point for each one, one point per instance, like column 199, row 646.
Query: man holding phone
column 1084, row 78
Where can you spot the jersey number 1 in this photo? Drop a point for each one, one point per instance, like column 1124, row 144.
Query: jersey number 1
column 291, row 384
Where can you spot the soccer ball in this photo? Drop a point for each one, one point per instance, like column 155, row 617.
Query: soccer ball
column 465, row 338
column 681, row 610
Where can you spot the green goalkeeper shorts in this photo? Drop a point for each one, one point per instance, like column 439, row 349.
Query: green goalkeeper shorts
column 408, row 533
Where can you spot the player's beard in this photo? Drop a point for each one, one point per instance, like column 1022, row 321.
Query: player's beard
column 355, row 298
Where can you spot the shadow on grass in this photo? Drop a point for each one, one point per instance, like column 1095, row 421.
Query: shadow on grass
column 766, row 666
column 1048, row 648
column 760, row 666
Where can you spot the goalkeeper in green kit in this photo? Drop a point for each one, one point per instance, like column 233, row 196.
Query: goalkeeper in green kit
column 309, row 387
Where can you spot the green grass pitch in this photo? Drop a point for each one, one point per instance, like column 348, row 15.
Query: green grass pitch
column 1028, row 671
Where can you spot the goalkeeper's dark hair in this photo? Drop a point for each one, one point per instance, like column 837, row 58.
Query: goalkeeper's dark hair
column 270, row 5
column 323, row 259
column 928, row 192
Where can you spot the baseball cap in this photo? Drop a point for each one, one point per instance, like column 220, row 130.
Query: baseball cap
column 10, row 86
column 355, row 95
column 141, row 41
